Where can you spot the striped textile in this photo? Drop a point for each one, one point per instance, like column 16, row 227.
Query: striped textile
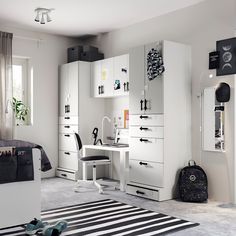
column 109, row 217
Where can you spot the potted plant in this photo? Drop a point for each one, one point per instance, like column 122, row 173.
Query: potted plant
column 20, row 110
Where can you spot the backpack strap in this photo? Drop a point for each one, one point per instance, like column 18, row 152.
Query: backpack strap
column 191, row 161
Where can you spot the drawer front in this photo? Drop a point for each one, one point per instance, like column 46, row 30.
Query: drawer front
column 142, row 192
column 68, row 129
column 148, row 173
column 68, row 120
column 73, row 175
column 67, row 142
column 149, row 149
column 157, row 120
column 146, row 131
column 68, row 160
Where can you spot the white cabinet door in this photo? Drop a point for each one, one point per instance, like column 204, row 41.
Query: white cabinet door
column 63, row 89
column 73, row 74
column 153, row 88
column 145, row 172
column 121, row 75
column 153, row 149
column 68, row 160
column 136, row 80
column 107, row 77
column 96, row 74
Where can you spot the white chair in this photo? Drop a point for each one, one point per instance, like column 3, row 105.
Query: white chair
column 91, row 161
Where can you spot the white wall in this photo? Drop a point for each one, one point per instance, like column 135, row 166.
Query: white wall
column 45, row 58
column 200, row 26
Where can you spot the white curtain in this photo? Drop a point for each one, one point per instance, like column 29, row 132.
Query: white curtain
column 6, row 116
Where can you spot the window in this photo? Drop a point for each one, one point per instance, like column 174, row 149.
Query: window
column 22, row 85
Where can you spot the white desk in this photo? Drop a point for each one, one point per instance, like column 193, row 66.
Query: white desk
column 123, row 160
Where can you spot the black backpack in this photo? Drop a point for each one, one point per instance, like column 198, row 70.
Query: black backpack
column 193, row 183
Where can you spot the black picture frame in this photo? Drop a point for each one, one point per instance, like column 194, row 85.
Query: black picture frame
column 227, row 50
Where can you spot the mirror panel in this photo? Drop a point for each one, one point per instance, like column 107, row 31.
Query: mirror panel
column 213, row 122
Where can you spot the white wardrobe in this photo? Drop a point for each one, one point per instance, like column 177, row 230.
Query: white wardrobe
column 160, row 120
column 78, row 112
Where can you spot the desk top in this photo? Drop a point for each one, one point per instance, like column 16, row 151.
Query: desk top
column 107, row 148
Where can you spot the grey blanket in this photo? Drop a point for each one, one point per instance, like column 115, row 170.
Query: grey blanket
column 45, row 163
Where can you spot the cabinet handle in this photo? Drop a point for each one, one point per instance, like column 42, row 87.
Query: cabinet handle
column 124, row 86
column 127, row 86
column 66, row 135
column 67, row 118
column 99, row 88
column 141, row 103
column 142, row 128
column 140, row 192
column 143, row 117
column 102, row 89
column 145, row 104
column 67, row 126
column 67, row 153
column 64, row 175
column 124, row 70
column 143, row 140
column 143, row 163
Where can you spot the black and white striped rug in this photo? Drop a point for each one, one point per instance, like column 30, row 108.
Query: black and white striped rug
column 109, row 217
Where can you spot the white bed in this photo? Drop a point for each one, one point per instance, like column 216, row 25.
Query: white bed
column 20, row 201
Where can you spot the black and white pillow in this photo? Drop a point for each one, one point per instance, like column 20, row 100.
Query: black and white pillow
column 155, row 65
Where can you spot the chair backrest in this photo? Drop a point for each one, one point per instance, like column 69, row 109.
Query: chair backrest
column 78, row 141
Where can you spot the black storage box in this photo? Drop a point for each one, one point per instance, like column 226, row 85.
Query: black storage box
column 91, row 56
column 88, row 48
column 74, row 53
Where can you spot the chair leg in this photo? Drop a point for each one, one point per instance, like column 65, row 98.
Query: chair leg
column 100, row 190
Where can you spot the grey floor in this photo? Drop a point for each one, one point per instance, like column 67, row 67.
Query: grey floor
column 214, row 219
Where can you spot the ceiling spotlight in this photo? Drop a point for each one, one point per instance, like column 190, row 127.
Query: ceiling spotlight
column 42, row 19
column 37, row 17
column 48, row 17
column 41, row 13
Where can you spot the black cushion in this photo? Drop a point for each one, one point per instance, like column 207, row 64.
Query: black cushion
column 94, row 158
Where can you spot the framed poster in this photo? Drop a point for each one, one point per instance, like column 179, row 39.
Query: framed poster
column 227, row 50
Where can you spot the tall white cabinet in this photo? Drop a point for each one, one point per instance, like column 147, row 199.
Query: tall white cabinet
column 76, row 114
column 160, row 120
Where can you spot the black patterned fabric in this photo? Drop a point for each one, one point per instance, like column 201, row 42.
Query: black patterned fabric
column 193, row 184
column 155, row 65
column 45, row 163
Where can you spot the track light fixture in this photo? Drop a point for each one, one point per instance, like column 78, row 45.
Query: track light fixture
column 42, row 13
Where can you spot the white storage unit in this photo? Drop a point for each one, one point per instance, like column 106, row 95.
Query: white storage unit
column 76, row 114
column 20, row 201
column 160, row 121
column 110, row 77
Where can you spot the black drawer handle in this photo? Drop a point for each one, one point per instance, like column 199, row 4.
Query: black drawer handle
column 143, row 140
column 67, row 153
column 124, row 70
column 67, row 118
column 145, row 104
column 140, row 192
column 67, row 135
column 124, row 86
column 141, row 104
column 99, row 89
column 64, row 175
column 127, row 86
column 143, row 117
column 143, row 163
column 67, row 126
column 142, row 128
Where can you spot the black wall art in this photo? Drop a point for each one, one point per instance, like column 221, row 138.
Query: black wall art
column 227, row 50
